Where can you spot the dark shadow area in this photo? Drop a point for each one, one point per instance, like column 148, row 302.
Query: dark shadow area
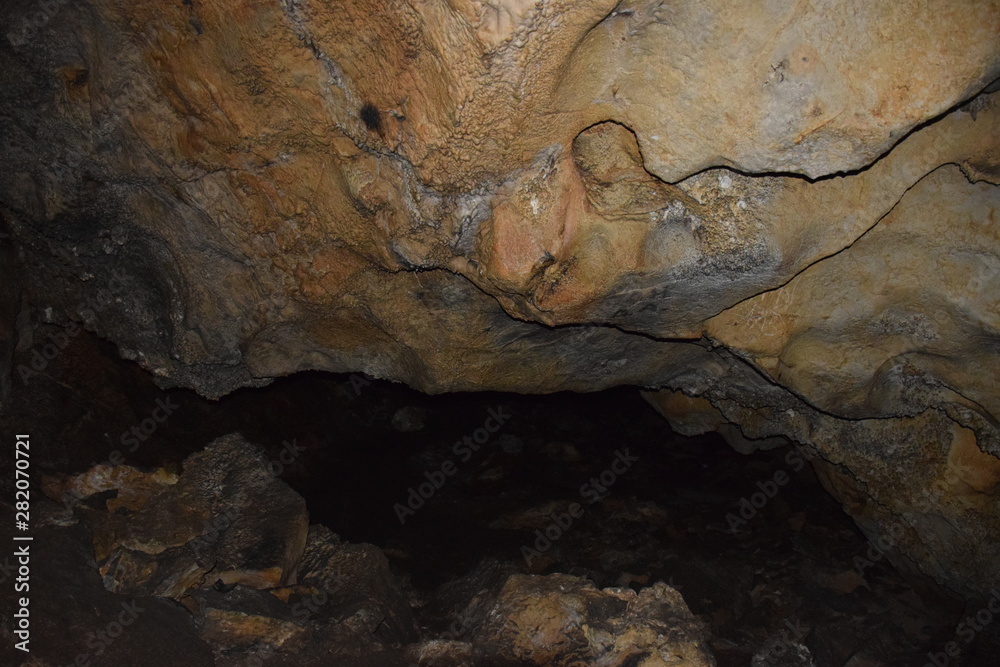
column 451, row 485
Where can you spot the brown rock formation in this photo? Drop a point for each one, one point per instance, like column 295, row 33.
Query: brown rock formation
column 227, row 519
column 789, row 211
column 564, row 620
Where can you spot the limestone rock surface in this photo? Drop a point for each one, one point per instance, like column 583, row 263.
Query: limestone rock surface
column 225, row 520
column 565, row 620
column 787, row 210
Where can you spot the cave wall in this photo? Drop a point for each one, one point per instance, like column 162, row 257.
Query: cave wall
column 786, row 213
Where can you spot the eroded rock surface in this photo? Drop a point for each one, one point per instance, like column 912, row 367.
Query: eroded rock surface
column 564, row 620
column 333, row 603
column 76, row 621
column 226, row 519
column 228, row 540
column 788, row 211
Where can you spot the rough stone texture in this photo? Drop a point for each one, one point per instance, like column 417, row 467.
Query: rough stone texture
column 543, row 196
column 242, row 618
column 228, row 541
column 10, row 305
column 225, row 520
column 75, row 621
column 565, row 620
column 354, row 592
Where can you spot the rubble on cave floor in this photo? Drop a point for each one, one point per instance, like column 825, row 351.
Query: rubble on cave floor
column 582, row 519
column 227, row 540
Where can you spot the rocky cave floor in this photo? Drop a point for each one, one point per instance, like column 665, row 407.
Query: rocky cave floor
column 796, row 584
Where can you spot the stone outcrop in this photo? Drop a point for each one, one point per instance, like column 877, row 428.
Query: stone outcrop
column 134, row 538
column 785, row 212
column 225, row 520
column 564, row 620
column 90, row 625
